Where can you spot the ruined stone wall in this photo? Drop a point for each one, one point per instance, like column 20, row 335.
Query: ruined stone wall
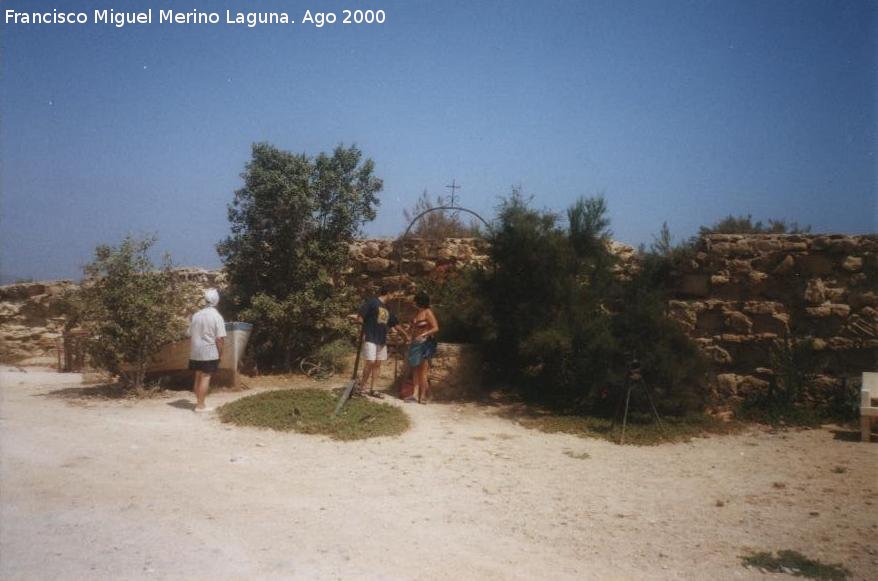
column 737, row 296
column 740, row 294
column 401, row 265
column 32, row 321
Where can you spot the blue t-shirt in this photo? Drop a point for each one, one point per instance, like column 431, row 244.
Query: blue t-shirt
column 376, row 320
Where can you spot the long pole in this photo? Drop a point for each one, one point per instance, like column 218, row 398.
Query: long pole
column 346, row 394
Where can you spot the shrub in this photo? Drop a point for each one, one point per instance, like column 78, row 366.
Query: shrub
column 795, row 363
column 670, row 362
column 566, row 328
column 459, row 306
column 128, row 307
column 333, row 355
column 532, row 283
column 745, row 225
column 438, row 225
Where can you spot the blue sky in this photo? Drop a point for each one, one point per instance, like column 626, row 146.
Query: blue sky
column 676, row 111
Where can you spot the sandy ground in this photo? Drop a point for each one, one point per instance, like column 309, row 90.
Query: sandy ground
column 148, row 489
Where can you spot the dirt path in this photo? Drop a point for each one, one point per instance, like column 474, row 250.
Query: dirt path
column 147, row 489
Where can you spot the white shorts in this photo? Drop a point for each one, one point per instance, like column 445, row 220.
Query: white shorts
column 374, row 352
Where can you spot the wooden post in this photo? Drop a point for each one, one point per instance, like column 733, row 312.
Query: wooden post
column 59, row 345
column 236, row 381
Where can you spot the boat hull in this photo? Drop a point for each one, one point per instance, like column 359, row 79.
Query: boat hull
column 170, row 364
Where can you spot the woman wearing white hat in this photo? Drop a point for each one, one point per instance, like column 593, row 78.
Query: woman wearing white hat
column 206, row 333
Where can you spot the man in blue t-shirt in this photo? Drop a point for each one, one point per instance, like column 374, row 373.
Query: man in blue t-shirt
column 377, row 319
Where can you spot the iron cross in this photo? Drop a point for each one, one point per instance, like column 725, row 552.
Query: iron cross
column 453, row 187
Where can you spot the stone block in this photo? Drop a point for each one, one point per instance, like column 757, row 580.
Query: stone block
column 828, row 310
column 861, row 299
column 377, row 265
column 763, row 307
column 731, row 384
column 718, row 355
column 852, row 264
column 777, row 324
column 710, row 322
column 767, row 245
column 813, row 264
column 841, row 344
column 695, row 285
column 740, row 266
column 738, row 322
column 815, row 292
column 794, row 246
column 785, row 266
column 836, row 294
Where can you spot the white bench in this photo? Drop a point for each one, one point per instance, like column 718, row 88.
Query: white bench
column 868, row 404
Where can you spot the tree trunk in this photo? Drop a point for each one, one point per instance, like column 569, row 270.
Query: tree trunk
column 140, row 373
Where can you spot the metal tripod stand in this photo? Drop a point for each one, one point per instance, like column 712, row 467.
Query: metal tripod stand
column 634, row 379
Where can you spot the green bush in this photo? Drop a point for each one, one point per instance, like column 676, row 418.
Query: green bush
column 459, row 306
column 565, row 328
column 671, row 363
column 745, row 225
column 129, row 308
column 334, row 355
column 291, row 225
column 790, row 398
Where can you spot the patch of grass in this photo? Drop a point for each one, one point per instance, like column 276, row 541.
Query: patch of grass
column 578, row 455
column 795, row 563
column 642, row 430
column 309, row 411
column 839, row 470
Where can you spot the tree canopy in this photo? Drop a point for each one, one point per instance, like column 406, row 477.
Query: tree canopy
column 291, row 223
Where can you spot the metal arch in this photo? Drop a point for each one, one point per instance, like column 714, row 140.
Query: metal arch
column 401, row 245
column 436, row 209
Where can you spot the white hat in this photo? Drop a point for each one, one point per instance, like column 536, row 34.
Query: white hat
column 211, row 295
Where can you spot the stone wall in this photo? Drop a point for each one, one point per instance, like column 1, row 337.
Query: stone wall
column 741, row 294
column 736, row 297
column 400, row 265
column 31, row 318
column 31, row 321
